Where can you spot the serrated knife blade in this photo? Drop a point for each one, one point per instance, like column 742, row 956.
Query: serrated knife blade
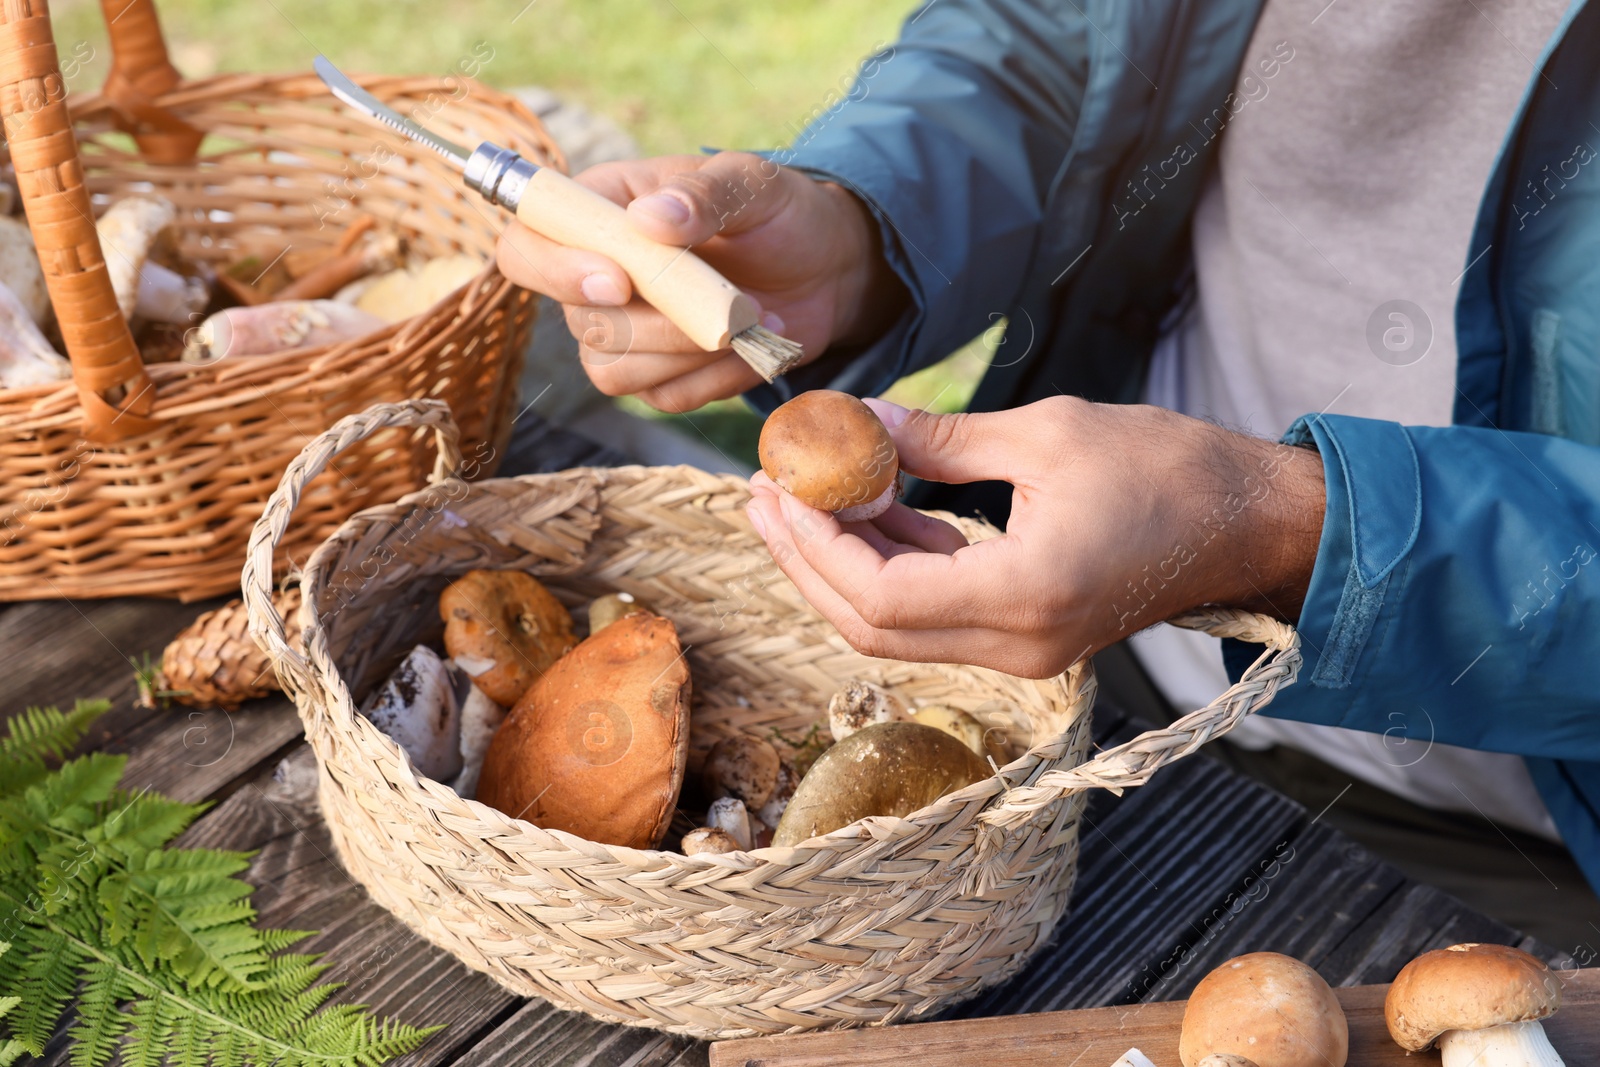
column 369, row 105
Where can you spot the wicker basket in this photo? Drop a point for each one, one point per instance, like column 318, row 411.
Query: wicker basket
column 887, row 919
column 147, row 480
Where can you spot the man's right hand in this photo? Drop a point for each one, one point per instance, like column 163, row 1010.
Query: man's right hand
column 806, row 250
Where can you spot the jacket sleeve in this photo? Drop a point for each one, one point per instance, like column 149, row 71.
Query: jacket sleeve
column 951, row 136
column 1456, row 592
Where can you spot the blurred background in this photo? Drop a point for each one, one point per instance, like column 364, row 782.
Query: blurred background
column 611, row 78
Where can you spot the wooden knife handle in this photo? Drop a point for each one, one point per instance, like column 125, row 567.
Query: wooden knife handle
column 678, row 283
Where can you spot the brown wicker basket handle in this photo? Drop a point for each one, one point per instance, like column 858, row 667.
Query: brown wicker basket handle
column 1133, row 763
column 266, row 625
column 140, row 72
column 113, row 388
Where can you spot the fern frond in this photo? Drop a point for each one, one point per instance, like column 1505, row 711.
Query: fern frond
column 45, row 984
column 70, row 797
column 48, row 733
column 139, row 822
column 278, row 940
column 150, row 1028
column 101, row 1022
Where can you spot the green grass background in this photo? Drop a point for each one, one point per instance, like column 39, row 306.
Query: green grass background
column 677, row 74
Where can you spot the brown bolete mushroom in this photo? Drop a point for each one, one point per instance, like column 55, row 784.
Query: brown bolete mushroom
column 860, row 704
column 830, row 451
column 597, row 746
column 608, row 609
column 1267, row 1008
column 505, row 629
column 744, row 767
column 890, row 768
column 708, row 839
column 1480, row 1003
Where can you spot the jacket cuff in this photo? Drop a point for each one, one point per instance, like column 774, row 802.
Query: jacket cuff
column 1372, row 517
column 859, row 370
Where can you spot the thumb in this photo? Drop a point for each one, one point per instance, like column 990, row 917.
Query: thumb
column 730, row 193
column 959, row 448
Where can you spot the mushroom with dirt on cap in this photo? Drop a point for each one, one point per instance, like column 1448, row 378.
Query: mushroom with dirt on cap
column 830, row 451
column 1267, row 1009
column 1480, row 1003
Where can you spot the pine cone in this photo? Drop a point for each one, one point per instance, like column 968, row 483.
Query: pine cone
column 215, row 663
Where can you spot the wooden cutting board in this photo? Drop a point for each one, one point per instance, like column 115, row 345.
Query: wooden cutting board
column 1095, row 1037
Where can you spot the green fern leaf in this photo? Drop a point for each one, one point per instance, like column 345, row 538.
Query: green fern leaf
column 45, row 984
column 48, row 733
column 173, row 971
column 100, row 1023
column 143, row 821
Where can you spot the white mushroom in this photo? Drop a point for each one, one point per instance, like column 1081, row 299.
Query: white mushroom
column 26, row 358
column 480, row 718
column 400, row 294
column 709, row 839
column 861, row 704
column 1480, row 1003
column 729, row 815
column 130, row 230
column 277, row 327
column 19, row 268
column 417, row 708
column 1134, row 1058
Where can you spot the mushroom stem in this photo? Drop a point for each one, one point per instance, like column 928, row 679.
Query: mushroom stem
column 1133, row 1058
column 1507, row 1045
column 167, row 296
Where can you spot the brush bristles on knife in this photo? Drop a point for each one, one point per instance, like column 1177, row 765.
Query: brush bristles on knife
column 769, row 354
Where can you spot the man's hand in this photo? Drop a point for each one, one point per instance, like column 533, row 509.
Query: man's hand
column 806, row 250
column 1121, row 517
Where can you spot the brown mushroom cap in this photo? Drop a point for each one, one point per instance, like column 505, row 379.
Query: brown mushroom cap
column 1467, row 987
column 506, row 619
column 598, row 745
column 744, row 767
column 709, row 839
column 889, row 768
column 1268, row 1008
column 829, row 450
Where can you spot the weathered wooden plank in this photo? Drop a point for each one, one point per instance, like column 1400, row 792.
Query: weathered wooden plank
column 56, row 651
column 537, row 446
column 1100, row 1035
column 539, row 1034
column 300, row 884
column 1150, row 864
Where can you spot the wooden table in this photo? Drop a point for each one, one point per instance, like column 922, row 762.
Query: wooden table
column 1174, row 877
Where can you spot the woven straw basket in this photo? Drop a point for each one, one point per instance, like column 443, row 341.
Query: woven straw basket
column 147, row 480
column 887, row 919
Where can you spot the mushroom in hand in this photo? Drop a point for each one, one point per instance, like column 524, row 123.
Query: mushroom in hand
column 133, row 232
column 830, row 451
column 1481, row 1003
column 1267, row 1009
column 890, row 768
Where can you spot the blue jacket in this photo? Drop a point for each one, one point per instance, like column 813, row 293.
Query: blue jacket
column 1008, row 147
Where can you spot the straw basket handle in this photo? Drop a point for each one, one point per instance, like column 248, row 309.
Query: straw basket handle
column 1133, row 763
column 113, row 389
column 140, row 72
column 266, row 625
